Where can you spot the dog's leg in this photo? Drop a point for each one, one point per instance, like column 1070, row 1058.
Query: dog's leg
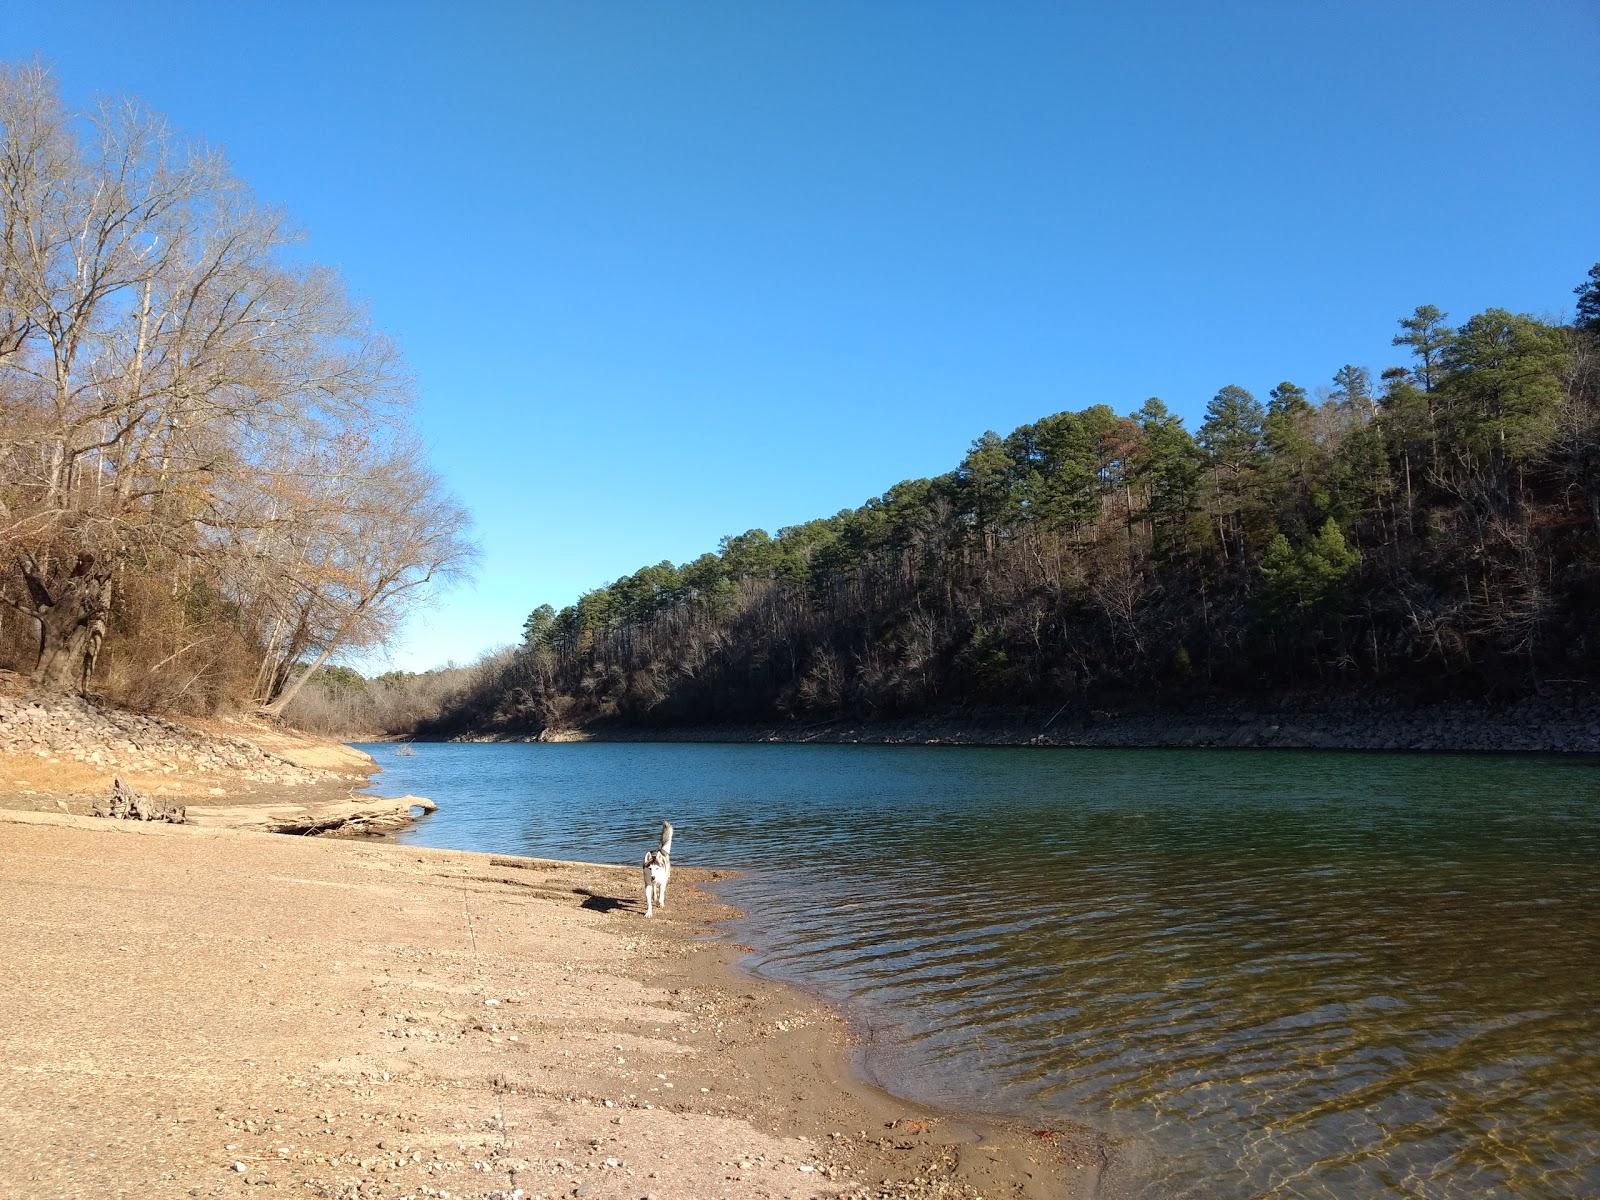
column 649, row 910
column 661, row 889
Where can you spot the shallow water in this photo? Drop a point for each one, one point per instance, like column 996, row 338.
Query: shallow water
column 1276, row 974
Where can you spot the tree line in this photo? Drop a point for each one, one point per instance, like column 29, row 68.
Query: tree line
column 1434, row 531
column 208, row 483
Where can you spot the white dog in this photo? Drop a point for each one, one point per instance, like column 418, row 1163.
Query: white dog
column 657, row 870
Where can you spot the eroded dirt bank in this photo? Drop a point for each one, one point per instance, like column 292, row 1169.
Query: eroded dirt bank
column 189, row 1012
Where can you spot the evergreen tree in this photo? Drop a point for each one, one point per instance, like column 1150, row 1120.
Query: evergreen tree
column 987, row 477
column 1311, row 577
column 1504, row 386
column 1427, row 334
column 1587, row 317
column 1360, row 484
column 701, row 577
column 1232, row 431
column 912, row 511
column 1169, row 472
column 1408, row 424
column 1290, row 440
column 1234, row 440
column 1352, row 391
column 1056, row 457
column 750, row 555
column 536, row 630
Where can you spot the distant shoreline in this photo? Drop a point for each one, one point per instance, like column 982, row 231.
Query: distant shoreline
column 1540, row 726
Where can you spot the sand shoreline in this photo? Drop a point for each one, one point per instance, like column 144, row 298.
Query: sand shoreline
column 232, row 1014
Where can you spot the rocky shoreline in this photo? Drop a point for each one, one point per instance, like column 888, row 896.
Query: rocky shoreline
column 69, row 754
column 1566, row 725
column 80, row 730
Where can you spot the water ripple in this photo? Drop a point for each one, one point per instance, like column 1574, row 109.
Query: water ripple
column 1284, row 975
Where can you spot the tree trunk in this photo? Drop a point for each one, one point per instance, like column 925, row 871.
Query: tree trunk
column 72, row 622
column 282, row 699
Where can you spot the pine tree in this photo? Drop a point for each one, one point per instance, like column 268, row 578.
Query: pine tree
column 536, row 630
column 1291, row 446
column 1233, row 438
column 1311, row 577
column 1169, row 473
column 1232, row 432
column 1504, row 386
column 1352, row 391
column 1587, row 317
column 1427, row 334
column 1059, row 453
column 987, row 476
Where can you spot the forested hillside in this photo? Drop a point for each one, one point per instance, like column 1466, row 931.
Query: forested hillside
column 1434, row 532
column 208, row 484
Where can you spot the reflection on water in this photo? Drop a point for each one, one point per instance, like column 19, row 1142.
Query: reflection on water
column 1276, row 974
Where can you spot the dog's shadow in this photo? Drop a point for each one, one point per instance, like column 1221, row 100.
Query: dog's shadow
column 595, row 902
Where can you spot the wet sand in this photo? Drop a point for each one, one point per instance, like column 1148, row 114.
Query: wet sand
column 195, row 1012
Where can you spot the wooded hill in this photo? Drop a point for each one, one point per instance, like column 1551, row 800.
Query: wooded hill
column 1432, row 533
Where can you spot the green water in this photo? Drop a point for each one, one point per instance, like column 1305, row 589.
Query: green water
column 1268, row 974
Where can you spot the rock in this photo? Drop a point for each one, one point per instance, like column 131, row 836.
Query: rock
column 67, row 727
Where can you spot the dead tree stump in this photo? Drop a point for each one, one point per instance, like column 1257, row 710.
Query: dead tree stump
column 126, row 804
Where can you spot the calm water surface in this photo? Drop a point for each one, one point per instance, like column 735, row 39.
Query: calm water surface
column 1275, row 974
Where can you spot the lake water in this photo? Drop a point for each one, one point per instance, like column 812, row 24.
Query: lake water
column 1275, row 974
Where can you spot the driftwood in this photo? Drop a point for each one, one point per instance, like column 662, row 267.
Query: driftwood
column 368, row 814
column 126, row 804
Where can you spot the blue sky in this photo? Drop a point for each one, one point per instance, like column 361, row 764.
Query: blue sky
column 669, row 271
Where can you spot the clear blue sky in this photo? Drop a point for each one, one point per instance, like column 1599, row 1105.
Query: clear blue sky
column 669, row 271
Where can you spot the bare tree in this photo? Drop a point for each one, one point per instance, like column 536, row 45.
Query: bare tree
column 180, row 398
column 393, row 532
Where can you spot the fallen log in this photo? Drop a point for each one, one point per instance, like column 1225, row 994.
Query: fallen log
column 367, row 815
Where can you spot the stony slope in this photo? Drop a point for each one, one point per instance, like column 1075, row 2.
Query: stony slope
column 61, row 753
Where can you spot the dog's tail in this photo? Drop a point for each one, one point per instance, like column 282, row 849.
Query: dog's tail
column 666, row 836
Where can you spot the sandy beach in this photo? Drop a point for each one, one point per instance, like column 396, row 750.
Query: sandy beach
column 202, row 1012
